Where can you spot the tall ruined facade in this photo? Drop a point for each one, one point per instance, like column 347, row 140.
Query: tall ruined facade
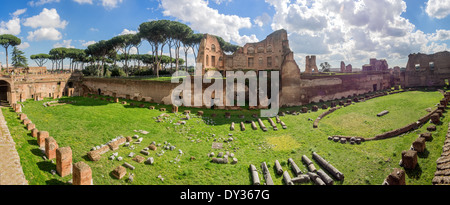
column 424, row 70
column 271, row 54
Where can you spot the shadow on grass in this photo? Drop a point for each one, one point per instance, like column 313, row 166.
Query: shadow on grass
column 32, row 142
column 423, row 154
column 414, row 173
column 37, row 152
column 86, row 158
column 55, row 182
column 46, row 166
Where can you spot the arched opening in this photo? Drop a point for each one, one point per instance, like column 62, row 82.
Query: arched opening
column 99, row 91
column 5, row 91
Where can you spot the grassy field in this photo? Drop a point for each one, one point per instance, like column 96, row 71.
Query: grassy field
column 90, row 122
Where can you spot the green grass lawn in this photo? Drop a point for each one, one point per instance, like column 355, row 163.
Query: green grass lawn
column 89, row 122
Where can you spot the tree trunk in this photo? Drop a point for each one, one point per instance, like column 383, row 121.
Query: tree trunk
column 7, row 64
column 139, row 58
column 170, row 55
column 177, row 56
column 185, row 57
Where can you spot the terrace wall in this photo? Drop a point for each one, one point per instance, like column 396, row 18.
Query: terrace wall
column 314, row 88
column 152, row 91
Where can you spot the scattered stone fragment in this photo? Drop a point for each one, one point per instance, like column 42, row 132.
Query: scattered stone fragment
column 325, row 178
column 397, row 177
column 255, row 176
column 145, row 152
column 381, row 114
column 309, row 163
column 152, row 147
column 119, row 172
column 314, row 177
column 330, row 168
column 431, row 128
column 150, row 161
column 294, row 167
column 266, row 174
column 278, row 167
column 242, row 126
column 287, row 179
column 129, row 166
column 409, row 159
column 303, row 178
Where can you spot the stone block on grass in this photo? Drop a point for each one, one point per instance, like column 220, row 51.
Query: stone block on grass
column 81, row 174
column 119, row 172
column 409, row 159
column 41, row 138
column 50, row 147
column 64, row 161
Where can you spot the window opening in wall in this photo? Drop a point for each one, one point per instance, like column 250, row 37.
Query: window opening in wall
column 250, row 62
column 417, row 66
column 213, row 61
column 213, row 48
column 269, row 61
column 431, row 65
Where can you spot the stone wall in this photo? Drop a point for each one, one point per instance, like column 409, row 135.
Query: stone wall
column 265, row 55
column 35, row 86
column 314, row 88
column 152, row 91
column 424, row 70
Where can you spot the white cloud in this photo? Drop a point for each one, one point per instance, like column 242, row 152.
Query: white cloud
column 23, row 45
column 126, row 31
column 94, row 29
column 44, row 34
column 65, row 44
column 11, row 27
column 263, row 19
column 204, row 19
column 218, row 2
column 46, row 19
column 440, row 35
column 47, row 24
column 353, row 30
column 84, row 1
column 42, row 2
column 438, row 8
column 110, row 4
column 86, row 44
column 19, row 12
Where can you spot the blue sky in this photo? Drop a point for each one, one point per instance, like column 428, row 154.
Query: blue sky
column 334, row 30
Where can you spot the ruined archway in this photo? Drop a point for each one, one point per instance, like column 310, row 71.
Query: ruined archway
column 5, row 92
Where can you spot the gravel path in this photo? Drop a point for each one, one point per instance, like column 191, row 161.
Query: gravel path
column 11, row 172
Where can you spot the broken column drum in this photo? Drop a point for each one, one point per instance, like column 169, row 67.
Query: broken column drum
column 294, row 166
column 266, row 174
column 330, row 168
column 255, row 176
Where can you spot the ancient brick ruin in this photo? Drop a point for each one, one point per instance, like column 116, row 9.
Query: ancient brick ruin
column 424, row 70
column 270, row 54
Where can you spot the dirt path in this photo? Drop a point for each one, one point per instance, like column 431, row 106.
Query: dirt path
column 11, row 172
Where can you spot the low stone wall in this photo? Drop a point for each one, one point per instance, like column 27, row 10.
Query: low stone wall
column 321, row 116
column 316, row 88
column 152, row 91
